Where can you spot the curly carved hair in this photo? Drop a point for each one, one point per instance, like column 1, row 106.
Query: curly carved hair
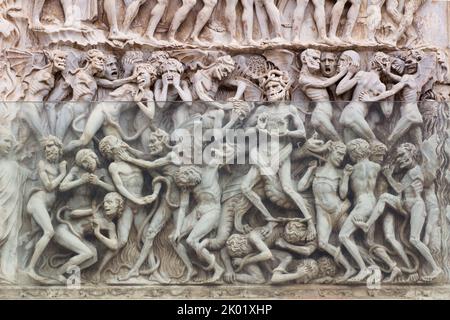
column 109, row 144
column 238, row 246
column 295, row 232
column 169, row 64
column 327, row 267
column 82, row 154
column 409, row 147
column 358, row 149
column 52, row 140
column 379, row 61
column 378, row 148
column 119, row 201
column 188, row 177
column 310, row 267
column 337, row 145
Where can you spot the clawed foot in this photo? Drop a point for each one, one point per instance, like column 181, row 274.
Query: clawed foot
column 363, row 274
column 396, row 272
column 432, row 276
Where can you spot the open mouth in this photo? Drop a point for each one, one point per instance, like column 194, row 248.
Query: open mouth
column 115, row 74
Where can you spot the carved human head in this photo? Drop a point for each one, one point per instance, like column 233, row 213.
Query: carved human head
column 111, row 71
column 110, row 145
column 129, row 61
column 309, row 268
column 337, row 152
column 238, row 246
column 379, row 61
column 159, row 141
column 171, row 68
column 146, row 75
column 295, row 232
column 311, row 59
column 406, row 155
column 58, row 58
column 328, row 64
column 96, row 59
column 188, row 177
column 379, row 151
column 412, row 61
column 327, row 267
column 7, row 141
column 157, row 58
column 349, row 58
column 397, row 65
column 53, row 148
column 223, row 67
column 358, row 149
column 113, row 205
column 87, row 159
column 275, row 85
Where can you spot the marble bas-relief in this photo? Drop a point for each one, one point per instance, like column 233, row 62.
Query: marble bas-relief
column 286, row 143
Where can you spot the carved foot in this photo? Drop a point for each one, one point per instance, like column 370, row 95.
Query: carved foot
column 153, row 41
column 117, row 35
column 363, row 274
column 196, row 41
column 133, row 273
column 37, row 26
column 396, row 272
column 333, row 40
column 191, row 273
column 433, row 275
column 348, row 273
column 44, row 280
column 218, row 272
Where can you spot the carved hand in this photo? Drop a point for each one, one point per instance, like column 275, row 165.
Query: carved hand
column 63, row 167
column 348, row 169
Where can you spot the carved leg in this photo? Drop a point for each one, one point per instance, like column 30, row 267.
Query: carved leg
column 352, row 16
column 94, row 123
column 230, row 18
column 36, row 15
column 111, row 14
column 68, row 13
column 155, row 17
column 158, row 222
column 299, row 14
column 247, row 20
column 123, row 231
column 131, row 13
column 249, row 182
column 336, row 15
column 324, row 230
column 319, row 18
column 263, row 22
column 389, row 233
column 417, row 221
column 68, row 240
column 37, row 208
column 322, row 124
column 345, row 237
column 180, row 16
column 275, row 19
column 31, row 114
column 202, row 228
column 202, row 18
column 432, row 206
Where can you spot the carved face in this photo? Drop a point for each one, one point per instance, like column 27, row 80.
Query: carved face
column 155, row 145
column 337, row 156
column 89, row 163
column 312, row 60
column 59, row 60
column 275, row 91
column 6, row 144
column 171, row 73
column 398, row 65
column 111, row 69
column 328, row 64
column 52, row 151
column 411, row 65
column 98, row 62
column 405, row 158
column 111, row 205
column 144, row 79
